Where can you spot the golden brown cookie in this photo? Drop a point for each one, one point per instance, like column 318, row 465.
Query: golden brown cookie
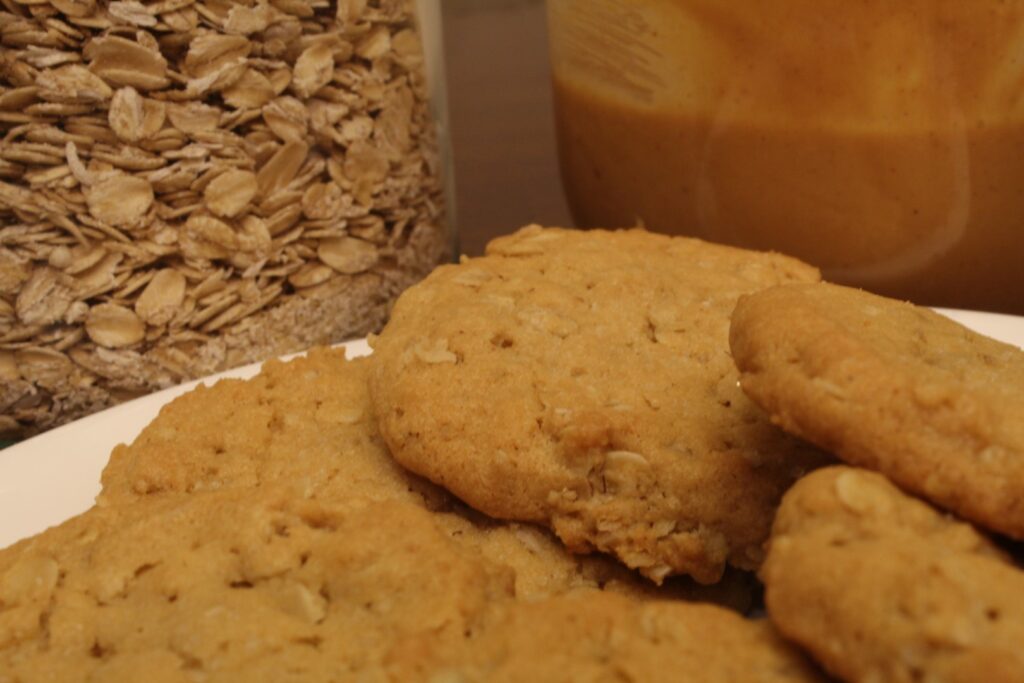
column 879, row 586
column 893, row 387
column 591, row 636
column 255, row 585
column 583, row 380
column 307, row 425
column 239, row 585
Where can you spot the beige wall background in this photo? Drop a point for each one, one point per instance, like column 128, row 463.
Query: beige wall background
column 502, row 129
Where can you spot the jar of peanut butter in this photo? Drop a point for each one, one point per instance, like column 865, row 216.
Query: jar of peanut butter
column 881, row 141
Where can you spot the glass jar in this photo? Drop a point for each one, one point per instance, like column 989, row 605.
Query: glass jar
column 186, row 188
column 881, row 141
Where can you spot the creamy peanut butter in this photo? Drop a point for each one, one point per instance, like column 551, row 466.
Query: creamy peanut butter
column 881, row 141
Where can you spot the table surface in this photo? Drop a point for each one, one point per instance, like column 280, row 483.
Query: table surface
column 499, row 99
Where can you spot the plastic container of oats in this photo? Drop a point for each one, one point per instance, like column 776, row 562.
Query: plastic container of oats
column 191, row 185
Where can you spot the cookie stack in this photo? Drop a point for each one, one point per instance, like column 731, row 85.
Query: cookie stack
column 547, row 470
column 875, row 583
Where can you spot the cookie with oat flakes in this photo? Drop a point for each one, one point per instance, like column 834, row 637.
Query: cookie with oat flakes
column 591, row 636
column 257, row 585
column 583, row 380
column 234, row 585
column 892, row 387
column 306, row 422
column 880, row 586
column 307, row 425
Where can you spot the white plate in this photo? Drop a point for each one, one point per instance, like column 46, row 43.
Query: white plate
column 56, row 475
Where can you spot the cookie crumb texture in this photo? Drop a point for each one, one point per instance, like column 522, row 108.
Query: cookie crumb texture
column 895, row 388
column 879, row 586
column 588, row 636
column 233, row 586
column 583, row 380
column 249, row 585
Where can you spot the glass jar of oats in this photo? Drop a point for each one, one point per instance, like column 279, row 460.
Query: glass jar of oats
column 191, row 185
column 878, row 140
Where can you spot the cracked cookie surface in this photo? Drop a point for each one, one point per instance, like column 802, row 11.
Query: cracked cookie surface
column 880, row 586
column 583, row 380
column 892, row 387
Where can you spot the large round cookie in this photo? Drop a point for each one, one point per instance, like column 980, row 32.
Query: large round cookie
column 307, row 425
column 879, row 586
column 253, row 585
column 892, row 387
column 583, row 380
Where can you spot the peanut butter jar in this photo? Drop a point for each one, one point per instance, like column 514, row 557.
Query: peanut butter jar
column 881, row 141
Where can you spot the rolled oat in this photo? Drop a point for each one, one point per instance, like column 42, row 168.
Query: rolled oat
column 188, row 185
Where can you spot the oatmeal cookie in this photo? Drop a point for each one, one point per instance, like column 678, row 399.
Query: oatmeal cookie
column 879, row 586
column 307, row 425
column 591, row 636
column 234, row 585
column 892, row 387
column 305, row 422
column 583, row 380
column 247, row 585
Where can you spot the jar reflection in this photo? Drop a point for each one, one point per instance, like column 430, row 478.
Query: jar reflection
column 877, row 141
